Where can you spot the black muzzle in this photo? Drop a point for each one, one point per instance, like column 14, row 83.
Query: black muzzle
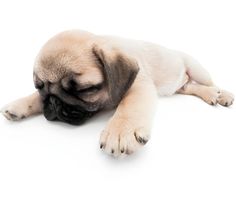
column 56, row 110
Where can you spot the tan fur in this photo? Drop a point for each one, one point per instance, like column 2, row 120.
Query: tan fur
column 161, row 71
column 23, row 107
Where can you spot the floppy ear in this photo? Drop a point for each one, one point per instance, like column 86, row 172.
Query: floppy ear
column 119, row 71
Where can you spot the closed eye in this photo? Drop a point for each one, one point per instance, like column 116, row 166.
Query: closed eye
column 90, row 89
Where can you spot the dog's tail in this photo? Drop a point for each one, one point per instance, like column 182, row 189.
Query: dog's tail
column 196, row 72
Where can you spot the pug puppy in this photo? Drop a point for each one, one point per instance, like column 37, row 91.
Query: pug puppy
column 78, row 74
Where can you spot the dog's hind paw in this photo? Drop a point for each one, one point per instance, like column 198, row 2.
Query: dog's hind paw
column 226, row 98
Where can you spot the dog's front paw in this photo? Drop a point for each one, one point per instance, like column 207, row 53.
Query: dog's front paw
column 121, row 137
column 15, row 111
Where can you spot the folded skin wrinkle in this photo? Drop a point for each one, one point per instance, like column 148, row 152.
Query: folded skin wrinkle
column 55, row 109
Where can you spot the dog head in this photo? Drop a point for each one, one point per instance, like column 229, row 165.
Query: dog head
column 77, row 76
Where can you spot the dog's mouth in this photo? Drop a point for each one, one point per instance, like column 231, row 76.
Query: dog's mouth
column 55, row 109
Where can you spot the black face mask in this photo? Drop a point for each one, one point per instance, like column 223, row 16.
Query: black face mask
column 55, row 109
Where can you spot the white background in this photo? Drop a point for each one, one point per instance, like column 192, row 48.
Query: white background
column 192, row 153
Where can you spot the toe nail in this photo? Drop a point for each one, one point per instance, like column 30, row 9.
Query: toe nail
column 122, row 151
column 101, row 146
column 112, row 151
column 140, row 140
column 13, row 116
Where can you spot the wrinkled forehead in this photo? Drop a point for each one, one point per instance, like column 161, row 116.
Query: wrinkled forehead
column 56, row 66
column 83, row 76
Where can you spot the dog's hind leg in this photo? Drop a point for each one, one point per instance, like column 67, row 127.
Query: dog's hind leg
column 210, row 94
column 196, row 72
column 200, row 84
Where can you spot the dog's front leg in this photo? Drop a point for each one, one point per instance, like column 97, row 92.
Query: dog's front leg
column 23, row 107
column 130, row 126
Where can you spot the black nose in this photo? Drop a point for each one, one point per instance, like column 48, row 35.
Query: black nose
column 51, row 106
column 55, row 109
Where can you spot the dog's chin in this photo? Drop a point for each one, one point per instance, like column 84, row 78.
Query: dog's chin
column 56, row 110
